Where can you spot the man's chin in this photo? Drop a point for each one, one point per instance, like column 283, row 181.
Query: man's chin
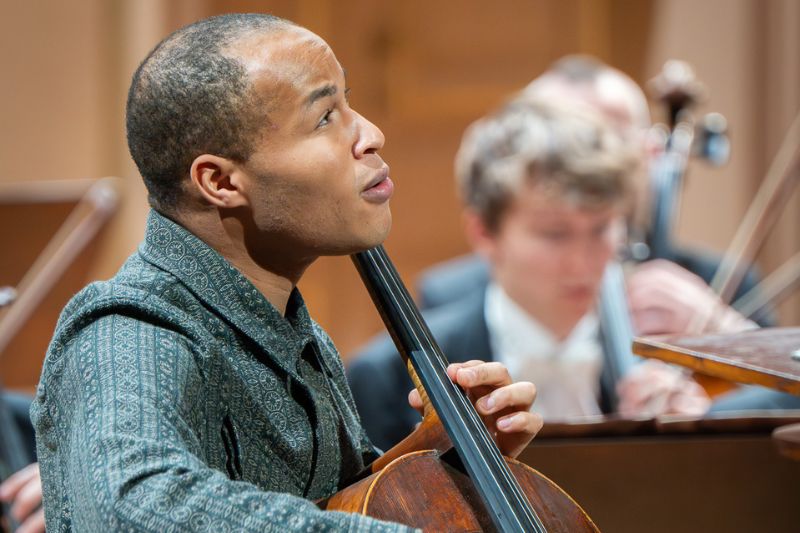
column 367, row 246
column 576, row 309
column 361, row 239
column 377, row 236
column 354, row 248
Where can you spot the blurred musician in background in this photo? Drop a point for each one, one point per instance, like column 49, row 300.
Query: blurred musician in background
column 547, row 190
column 20, row 491
column 584, row 82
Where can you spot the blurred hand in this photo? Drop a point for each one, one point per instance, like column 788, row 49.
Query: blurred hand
column 23, row 491
column 653, row 388
column 505, row 406
column 665, row 298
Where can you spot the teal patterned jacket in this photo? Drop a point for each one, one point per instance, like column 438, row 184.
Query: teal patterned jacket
column 174, row 397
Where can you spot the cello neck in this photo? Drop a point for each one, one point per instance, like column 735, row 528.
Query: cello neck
column 615, row 323
column 502, row 496
column 677, row 89
column 666, row 181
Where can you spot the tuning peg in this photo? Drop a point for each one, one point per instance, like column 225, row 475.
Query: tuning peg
column 711, row 139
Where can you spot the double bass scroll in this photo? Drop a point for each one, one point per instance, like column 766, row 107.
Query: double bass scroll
column 683, row 137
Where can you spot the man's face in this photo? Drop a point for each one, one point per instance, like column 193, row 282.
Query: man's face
column 315, row 182
column 549, row 255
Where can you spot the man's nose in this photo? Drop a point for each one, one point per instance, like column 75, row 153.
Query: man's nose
column 370, row 138
column 580, row 259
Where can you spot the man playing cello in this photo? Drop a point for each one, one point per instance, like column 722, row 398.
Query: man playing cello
column 193, row 391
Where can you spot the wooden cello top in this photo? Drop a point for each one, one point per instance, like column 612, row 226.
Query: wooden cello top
column 760, row 357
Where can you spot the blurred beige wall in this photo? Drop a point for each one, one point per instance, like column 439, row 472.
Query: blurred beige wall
column 748, row 55
column 422, row 70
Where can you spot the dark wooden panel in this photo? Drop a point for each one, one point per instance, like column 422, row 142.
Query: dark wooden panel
column 29, row 230
column 26, row 231
column 675, row 483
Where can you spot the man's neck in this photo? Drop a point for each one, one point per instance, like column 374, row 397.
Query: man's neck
column 560, row 329
column 275, row 288
column 271, row 273
column 558, row 326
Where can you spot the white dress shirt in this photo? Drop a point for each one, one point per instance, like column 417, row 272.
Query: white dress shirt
column 566, row 374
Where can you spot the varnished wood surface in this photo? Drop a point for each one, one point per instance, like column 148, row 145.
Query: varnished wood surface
column 760, row 357
column 713, row 481
column 426, row 492
column 428, row 435
column 721, row 423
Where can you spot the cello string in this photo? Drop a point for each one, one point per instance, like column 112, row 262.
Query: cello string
column 425, row 344
column 415, row 342
column 404, row 311
column 454, row 399
column 487, row 440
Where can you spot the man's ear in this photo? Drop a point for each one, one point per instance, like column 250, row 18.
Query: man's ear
column 480, row 237
column 219, row 181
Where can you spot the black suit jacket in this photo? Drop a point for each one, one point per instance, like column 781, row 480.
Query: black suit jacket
column 17, row 407
column 15, row 423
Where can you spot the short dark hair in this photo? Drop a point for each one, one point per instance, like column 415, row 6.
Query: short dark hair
column 188, row 98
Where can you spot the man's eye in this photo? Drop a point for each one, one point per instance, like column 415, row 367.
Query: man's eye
column 556, row 236
column 600, row 231
column 326, row 118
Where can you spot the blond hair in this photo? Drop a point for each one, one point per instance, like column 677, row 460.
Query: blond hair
column 569, row 153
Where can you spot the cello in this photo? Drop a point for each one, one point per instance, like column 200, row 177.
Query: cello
column 678, row 89
column 616, row 329
column 464, row 483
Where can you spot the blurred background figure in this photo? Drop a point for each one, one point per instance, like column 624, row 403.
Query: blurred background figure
column 422, row 78
column 548, row 189
column 20, row 485
column 544, row 189
column 584, row 82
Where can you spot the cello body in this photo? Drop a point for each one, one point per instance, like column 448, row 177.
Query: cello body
column 424, row 490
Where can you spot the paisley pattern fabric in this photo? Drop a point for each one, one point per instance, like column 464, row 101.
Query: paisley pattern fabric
column 174, row 397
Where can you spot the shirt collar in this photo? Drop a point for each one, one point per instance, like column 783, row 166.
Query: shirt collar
column 566, row 373
column 514, row 331
column 221, row 286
